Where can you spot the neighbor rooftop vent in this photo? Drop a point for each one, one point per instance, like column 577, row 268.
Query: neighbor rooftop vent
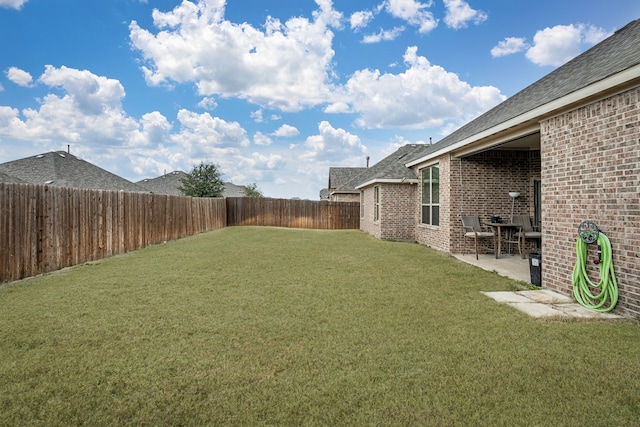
column 49, row 182
column 61, row 155
column 39, row 156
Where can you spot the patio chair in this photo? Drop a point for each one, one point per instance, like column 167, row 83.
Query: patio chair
column 525, row 231
column 473, row 230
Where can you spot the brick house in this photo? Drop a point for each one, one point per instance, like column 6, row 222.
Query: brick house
column 388, row 191
column 569, row 144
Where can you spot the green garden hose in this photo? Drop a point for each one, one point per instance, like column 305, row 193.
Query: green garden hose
column 607, row 285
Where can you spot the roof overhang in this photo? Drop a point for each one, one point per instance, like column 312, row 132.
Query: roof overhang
column 388, row 181
column 344, row 192
column 529, row 122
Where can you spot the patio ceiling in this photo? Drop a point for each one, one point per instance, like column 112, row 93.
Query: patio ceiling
column 524, row 141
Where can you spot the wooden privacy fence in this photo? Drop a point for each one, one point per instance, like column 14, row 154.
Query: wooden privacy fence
column 46, row 228
column 293, row 213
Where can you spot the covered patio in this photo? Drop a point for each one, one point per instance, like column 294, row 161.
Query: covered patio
column 502, row 180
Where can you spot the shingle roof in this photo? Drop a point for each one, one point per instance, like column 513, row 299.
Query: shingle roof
column 164, row 184
column 232, row 190
column 338, row 177
column 62, row 169
column 8, row 178
column 169, row 183
column 611, row 56
column 393, row 166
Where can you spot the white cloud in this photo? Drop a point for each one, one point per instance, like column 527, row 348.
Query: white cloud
column 360, row 19
column 459, row 14
column 423, row 96
column 200, row 133
column 337, row 108
column 257, row 116
column 90, row 109
column 413, row 12
column 154, row 129
column 508, row 46
column 260, row 138
column 287, row 66
column 208, row 103
column 91, row 94
column 383, row 35
column 556, row 45
column 266, row 162
column 594, row 35
column 12, row 4
column 286, row 131
column 19, row 77
column 333, row 146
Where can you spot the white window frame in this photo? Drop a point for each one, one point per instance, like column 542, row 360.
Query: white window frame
column 429, row 202
column 376, row 203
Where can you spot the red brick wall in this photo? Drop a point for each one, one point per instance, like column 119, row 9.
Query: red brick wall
column 367, row 223
column 397, row 203
column 396, row 214
column 591, row 172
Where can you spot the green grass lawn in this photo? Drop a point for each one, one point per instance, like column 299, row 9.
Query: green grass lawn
column 263, row 326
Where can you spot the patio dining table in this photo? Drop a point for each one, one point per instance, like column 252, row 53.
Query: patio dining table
column 499, row 226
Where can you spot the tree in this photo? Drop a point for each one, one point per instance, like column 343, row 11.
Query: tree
column 204, row 180
column 251, row 190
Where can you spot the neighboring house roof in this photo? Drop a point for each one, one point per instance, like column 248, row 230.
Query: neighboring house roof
column 232, row 190
column 169, row 183
column 8, row 178
column 393, row 169
column 324, row 194
column 59, row 168
column 617, row 54
column 164, row 184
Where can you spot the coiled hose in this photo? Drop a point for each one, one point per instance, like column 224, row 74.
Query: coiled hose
column 607, row 285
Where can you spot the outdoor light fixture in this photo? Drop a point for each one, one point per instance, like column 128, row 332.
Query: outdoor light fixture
column 513, row 195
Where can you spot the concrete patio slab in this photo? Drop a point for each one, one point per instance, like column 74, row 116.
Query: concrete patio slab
column 513, row 267
column 546, row 303
column 536, row 309
column 508, row 297
column 546, row 296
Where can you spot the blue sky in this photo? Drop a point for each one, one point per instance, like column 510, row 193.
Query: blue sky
column 273, row 91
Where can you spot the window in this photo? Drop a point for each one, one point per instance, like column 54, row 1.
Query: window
column 431, row 195
column 376, row 203
column 362, row 204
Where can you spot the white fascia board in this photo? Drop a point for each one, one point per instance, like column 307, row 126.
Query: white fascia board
column 344, row 192
column 546, row 109
column 388, row 181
